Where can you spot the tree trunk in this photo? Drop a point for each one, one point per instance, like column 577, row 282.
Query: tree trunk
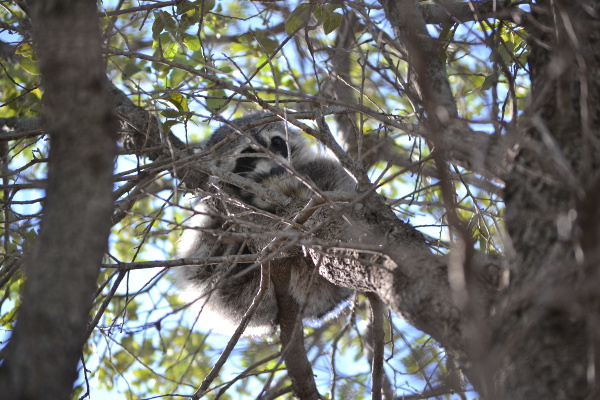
column 41, row 358
column 546, row 336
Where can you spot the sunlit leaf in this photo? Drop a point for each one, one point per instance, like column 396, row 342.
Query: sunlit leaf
column 29, row 65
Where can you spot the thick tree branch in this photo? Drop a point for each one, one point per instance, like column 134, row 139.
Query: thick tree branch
column 452, row 136
column 343, row 88
column 551, row 349
column 409, row 24
column 453, row 11
column 399, row 268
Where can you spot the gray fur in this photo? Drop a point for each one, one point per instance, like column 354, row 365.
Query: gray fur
column 221, row 298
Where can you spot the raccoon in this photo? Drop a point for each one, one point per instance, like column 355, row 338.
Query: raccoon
column 281, row 160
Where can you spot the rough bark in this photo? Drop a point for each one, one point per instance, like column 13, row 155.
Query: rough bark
column 546, row 335
column 41, row 358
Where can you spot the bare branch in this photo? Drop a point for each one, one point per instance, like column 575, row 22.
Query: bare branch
column 146, row 7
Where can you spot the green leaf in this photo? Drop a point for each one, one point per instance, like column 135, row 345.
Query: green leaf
column 158, row 25
column 326, row 16
column 131, row 69
column 191, row 42
column 29, row 65
column 169, row 123
column 215, row 99
column 170, row 50
column 26, row 51
column 487, row 82
column 28, row 60
column 162, row 21
column 319, row 13
column 331, row 22
column 178, row 100
column 205, row 6
column 297, row 18
column 177, row 76
column 172, row 113
column 185, row 6
column 269, row 45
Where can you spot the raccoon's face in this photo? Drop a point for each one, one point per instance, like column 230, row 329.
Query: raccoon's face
column 260, row 152
column 265, row 153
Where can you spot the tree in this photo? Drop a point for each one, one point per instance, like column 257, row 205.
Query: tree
column 470, row 127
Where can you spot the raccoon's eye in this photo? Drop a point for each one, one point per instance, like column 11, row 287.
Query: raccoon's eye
column 277, row 142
